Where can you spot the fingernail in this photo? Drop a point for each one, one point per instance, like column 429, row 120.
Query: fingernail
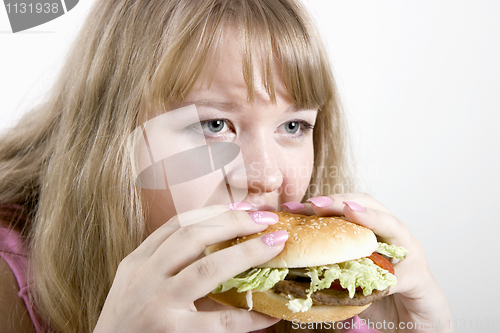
column 292, row 205
column 321, row 201
column 243, row 205
column 275, row 238
column 354, row 206
column 264, row 217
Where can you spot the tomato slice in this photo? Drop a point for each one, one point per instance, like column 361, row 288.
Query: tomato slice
column 381, row 262
column 336, row 285
column 377, row 260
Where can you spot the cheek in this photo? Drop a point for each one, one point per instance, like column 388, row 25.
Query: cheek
column 159, row 208
column 162, row 205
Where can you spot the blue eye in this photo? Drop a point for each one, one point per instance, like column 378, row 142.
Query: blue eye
column 297, row 128
column 292, row 127
column 214, row 126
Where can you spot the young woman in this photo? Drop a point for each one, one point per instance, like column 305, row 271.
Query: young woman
column 94, row 252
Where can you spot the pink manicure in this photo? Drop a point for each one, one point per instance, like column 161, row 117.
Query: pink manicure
column 275, row 238
column 292, row 205
column 243, row 205
column 264, row 217
column 354, row 206
column 321, row 201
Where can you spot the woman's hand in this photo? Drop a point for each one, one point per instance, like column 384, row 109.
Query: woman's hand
column 160, row 287
column 417, row 298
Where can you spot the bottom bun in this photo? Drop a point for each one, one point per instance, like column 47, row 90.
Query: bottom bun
column 274, row 305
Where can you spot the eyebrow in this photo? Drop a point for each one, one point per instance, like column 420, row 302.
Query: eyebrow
column 231, row 106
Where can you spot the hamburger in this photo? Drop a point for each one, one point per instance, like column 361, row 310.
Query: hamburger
column 330, row 269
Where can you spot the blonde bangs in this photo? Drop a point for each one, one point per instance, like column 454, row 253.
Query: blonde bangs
column 281, row 38
column 273, row 34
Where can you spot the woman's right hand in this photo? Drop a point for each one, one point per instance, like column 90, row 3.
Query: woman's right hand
column 156, row 286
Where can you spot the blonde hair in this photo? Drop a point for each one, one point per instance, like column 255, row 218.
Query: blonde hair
column 68, row 161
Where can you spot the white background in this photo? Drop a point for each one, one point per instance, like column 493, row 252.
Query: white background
column 420, row 81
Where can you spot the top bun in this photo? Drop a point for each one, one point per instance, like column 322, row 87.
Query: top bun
column 313, row 241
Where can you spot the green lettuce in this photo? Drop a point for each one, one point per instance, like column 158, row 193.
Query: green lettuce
column 392, row 251
column 299, row 304
column 351, row 274
column 260, row 279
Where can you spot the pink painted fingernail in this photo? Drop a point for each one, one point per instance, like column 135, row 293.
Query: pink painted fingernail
column 292, row 205
column 264, row 217
column 243, row 205
column 354, row 206
column 321, row 201
column 275, row 238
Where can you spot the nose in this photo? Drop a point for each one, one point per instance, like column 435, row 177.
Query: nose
column 264, row 175
column 262, row 170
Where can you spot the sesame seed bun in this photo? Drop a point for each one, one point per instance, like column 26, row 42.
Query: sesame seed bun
column 314, row 241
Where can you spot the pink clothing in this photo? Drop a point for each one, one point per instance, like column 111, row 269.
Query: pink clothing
column 13, row 252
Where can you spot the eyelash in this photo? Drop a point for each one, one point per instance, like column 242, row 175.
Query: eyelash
column 305, row 127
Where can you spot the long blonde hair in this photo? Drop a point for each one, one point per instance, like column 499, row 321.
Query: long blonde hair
column 68, row 161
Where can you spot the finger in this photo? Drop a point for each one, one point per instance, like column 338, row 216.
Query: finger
column 325, row 206
column 322, row 207
column 387, row 227
column 205, row 274
column 392, row 231
column 230, row 320
column 298, row 208
column 206, row 304
column 153, row 241
column 186, row 244
column 405, row 273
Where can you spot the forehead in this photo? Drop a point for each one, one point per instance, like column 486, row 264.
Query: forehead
column 279, row 57
column 225, row 72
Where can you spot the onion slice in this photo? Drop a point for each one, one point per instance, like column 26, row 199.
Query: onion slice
column 249, row 300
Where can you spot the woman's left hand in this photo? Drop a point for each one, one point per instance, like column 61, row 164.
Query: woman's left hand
column 416, row 303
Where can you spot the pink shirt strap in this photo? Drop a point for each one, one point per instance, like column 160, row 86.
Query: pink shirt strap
column 13, row 253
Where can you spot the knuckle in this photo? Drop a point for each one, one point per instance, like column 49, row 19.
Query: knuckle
column 187, row 232
column 127, row 264
column 205, row 267
column 235, row 216
column 226, row 319
column 246, row 250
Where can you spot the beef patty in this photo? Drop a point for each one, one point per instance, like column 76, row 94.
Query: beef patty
column 327, row 296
